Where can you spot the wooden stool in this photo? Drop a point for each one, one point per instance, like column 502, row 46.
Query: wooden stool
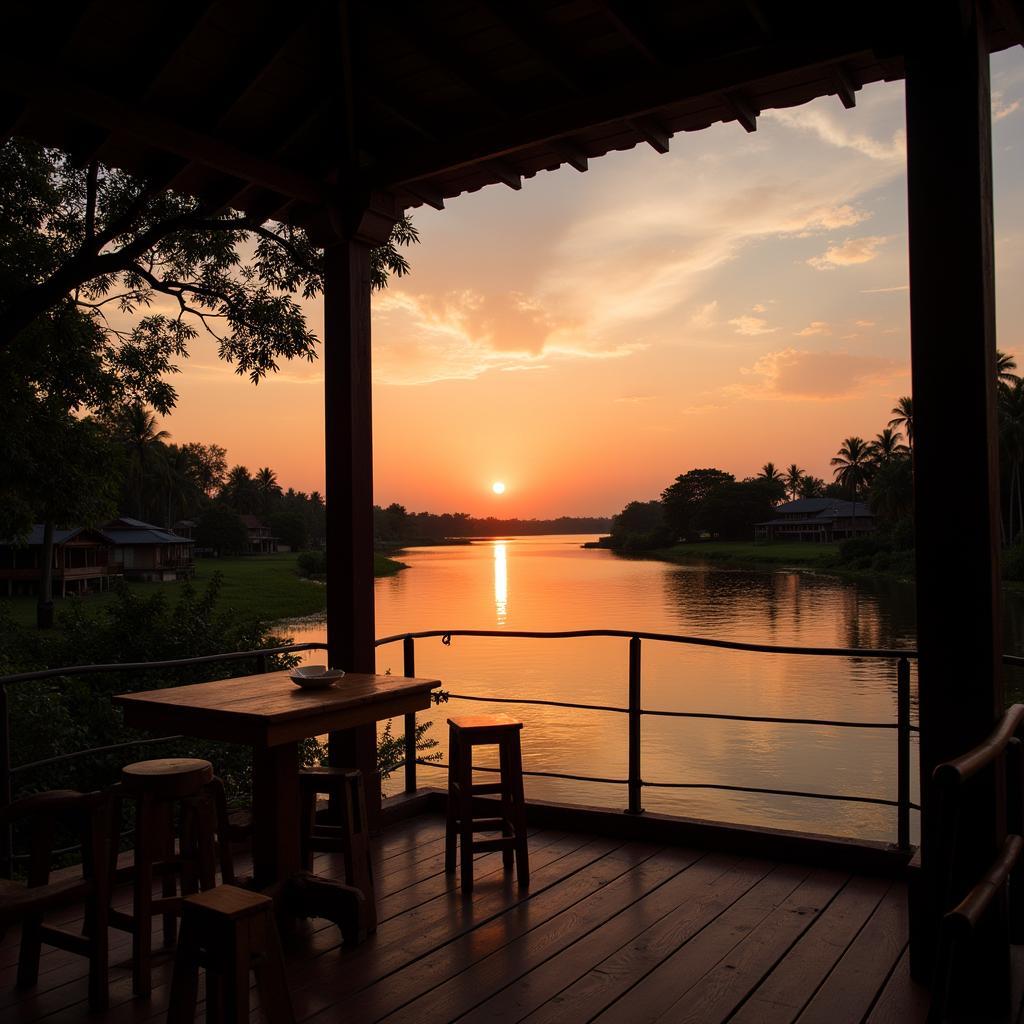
column 350, row 837
column 229, row 932
column 466, row 732
column 158, row 788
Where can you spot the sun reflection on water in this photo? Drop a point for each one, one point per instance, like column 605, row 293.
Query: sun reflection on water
column 500, row 584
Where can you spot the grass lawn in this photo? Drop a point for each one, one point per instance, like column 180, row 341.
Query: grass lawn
column 263, row 586
column 739, row 552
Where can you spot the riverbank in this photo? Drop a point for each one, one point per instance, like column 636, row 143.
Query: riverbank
column 746, row 554
column 266, row 587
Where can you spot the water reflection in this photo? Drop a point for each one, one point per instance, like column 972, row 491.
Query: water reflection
column 559, row 586
column 500, row 584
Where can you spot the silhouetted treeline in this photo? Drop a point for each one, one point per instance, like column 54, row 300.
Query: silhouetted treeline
column 396, row 525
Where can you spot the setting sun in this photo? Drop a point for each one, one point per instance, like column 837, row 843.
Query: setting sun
column 498, row 487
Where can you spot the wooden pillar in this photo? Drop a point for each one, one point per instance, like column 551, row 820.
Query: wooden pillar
column 348, row 420
column 952, row 307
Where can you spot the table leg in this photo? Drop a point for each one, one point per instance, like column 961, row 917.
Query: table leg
column 277, row 853
column 275, row 814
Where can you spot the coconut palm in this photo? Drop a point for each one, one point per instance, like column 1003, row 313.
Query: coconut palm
column 183, row 490
column 1011, row 448
column 268, row 490
column 793, row 478
column 903, row 416
column 1005, row 365
column 239, row 490
column 146, row 468
column 769, row 472
column 887, row 446
column 853, row 465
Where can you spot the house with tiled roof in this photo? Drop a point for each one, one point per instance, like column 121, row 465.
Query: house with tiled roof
column 817, row 519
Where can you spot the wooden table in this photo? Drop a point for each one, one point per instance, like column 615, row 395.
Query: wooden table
column 271, row 714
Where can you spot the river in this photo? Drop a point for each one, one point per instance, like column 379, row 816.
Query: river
column 552, row 583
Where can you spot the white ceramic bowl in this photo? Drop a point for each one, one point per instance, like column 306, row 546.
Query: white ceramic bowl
column 315, row 677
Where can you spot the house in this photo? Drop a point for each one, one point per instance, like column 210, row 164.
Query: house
column 817, row 519
column 261, row 542
column 142, row 551
column 82, row 562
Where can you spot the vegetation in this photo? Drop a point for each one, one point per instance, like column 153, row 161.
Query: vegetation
column 394, row 526
column 67, row 714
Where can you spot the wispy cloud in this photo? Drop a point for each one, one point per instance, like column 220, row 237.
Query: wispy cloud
column 833, row 128
column 752, row 325
column 849, row 253
column 814, row 327
column 797, row 375
column 877, row 291
column 1001, row 107
column 705, row 316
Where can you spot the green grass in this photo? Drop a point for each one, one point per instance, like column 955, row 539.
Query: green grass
column 740, row 553
column 260, row 586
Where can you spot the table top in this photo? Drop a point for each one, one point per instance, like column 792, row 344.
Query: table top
column 269, row 709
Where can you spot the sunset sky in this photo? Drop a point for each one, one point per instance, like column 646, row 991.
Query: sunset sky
column 585, row 340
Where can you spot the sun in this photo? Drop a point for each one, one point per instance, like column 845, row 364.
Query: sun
column 498, row 487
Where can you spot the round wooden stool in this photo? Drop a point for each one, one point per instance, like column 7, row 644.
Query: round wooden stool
column 162, row 790
column 229, row 932
column 464, row 733
column 347, row 834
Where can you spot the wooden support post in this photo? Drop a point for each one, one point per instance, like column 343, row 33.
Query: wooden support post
column 348, row 422
column 949, row 177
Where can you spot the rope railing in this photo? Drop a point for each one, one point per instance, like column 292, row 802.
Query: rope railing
column 634, row 710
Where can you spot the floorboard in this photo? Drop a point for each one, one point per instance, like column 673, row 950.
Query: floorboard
column 608, row 930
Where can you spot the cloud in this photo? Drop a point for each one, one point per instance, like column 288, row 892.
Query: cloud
column 1001, row 109
column 705, row 315
column 760, row 308
column 795, row 375
column 815, row 327
column 894, row 288
column 849, row 253
column 752, row 325
column 830, row 127
column 461, row 334
column 864, row 323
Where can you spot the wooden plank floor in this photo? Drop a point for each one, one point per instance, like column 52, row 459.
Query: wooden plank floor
column 609, row 930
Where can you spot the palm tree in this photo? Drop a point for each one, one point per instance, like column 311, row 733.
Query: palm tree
column 1005, row 365
column 268, row 490
column 239, row 490
column 903, row 416
column 853, row 465
column 184, row 491
column 769, row 472
column 887, row 446
column 794, row 477
column 144, row 446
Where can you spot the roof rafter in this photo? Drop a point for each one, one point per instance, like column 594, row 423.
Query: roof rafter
column 648, row 97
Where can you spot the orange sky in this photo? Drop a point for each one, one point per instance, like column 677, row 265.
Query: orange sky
column 739, row 300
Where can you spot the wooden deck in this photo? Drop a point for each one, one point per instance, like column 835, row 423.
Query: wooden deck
column 610, row 930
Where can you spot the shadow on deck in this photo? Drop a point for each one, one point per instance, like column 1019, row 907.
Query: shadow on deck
column 611, row 929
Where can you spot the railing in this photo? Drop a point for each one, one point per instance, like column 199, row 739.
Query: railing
column 635, row 712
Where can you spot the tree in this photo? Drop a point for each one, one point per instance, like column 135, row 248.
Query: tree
column 793, row 479
column 183, row 491
column 887, row 446
column 640, row 526
column 222, row 531
column 267, row 489
column 1011, row 451
column 1005, row 365
column 239, row 491
column 812, row 487
column 135, row 429
column 290, row 529
column 903, row 416
column 683, row 499
column 769, row 472
column 892, row 490
column 100, row 240
column 209, row 462
column 732, row 508
column 853, row 466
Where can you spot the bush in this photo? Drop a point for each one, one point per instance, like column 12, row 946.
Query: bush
column 222, row 530
column 312, row 563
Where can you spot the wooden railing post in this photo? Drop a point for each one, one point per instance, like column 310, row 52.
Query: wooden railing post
column 262, row 665
column 409, row 670
column 635, row 784
column 903, row 754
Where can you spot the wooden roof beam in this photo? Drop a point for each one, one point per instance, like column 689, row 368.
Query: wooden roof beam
column 742, row 111
column 506, row 174
column 652, row 132
column 846, row 88
column 571, row 154
column 626, row 23
column 431, row 196
column 708, row 79
column 162, row 134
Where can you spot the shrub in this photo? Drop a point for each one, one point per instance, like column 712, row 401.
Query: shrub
column 312, row 563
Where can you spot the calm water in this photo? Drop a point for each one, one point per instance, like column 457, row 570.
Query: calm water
column 551, row 583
